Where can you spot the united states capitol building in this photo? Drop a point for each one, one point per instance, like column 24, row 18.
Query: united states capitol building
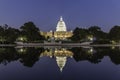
column 61, row 32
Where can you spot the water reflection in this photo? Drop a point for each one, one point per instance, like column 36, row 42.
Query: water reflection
column 29, row 56
column 96, row 54
column 61, row 56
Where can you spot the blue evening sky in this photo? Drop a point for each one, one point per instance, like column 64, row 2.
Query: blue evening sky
column 45, row 13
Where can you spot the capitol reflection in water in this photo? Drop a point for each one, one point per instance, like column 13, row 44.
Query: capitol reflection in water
column 93, row 55
column 61, row 55
column 63, row 58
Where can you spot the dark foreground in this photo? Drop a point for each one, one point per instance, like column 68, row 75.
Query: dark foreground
column 60, row 63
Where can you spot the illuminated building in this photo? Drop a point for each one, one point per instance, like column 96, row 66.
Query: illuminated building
column 61, row 32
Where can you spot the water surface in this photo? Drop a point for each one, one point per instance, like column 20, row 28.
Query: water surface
column 60, row 63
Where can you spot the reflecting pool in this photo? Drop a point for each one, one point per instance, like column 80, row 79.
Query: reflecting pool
column 60, row 63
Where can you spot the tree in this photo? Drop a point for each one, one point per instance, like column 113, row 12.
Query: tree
column 94, row 29
column 2, row 34
column 114, row 33
column 31, row 32
column 98, row 33
column 79, row 34
column 8, row 34
column 12, row 34
column 75, row 36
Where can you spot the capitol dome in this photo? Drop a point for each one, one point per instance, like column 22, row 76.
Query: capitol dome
column 61, row 26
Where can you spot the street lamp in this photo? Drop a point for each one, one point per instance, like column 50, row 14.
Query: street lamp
column 21, row 39
column 90, row 37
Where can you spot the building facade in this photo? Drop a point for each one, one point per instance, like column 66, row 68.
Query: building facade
column 61, row 32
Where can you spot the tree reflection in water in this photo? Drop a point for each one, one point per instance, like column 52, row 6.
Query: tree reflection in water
column 28, row 56
column 97, row 54
column 8, row 55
